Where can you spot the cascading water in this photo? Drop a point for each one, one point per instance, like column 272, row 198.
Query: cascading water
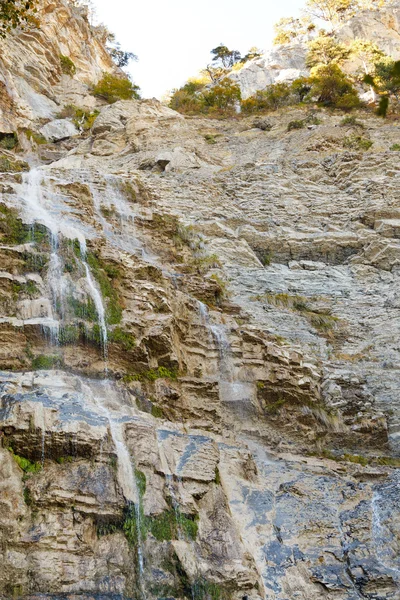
column 232, row 390
column 37, row 211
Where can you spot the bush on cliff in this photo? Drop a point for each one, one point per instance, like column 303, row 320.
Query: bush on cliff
column 15, row 13
column 331, row 87
column 195, row 98
column 113, row 87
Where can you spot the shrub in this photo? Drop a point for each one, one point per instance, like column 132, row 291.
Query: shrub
column 351, row 122
column 222, row 96
column 332, row 87
column 45, row 363
column 356, row 142
column 113, row 88
column 67, row 66
column 296, row 125
column 8, row 141
column 273, row 97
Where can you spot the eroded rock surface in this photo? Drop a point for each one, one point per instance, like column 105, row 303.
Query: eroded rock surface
column 199, row 357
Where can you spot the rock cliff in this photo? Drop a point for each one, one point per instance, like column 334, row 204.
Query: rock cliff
column 199, row 324
column 287, row 62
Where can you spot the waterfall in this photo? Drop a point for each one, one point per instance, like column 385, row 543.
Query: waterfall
column 101, row 393
column 38, row 212
column 232, row 389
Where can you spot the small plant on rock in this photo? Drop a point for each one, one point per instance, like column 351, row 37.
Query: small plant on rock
column 67, row 65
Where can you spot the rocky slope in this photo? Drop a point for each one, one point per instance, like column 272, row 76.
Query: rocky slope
column 288, row 62
column 199, row 357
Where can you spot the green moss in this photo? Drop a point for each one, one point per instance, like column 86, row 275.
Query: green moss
column 151, row 375
column 25, row 464
column 33, row 136
column 28, row 496
column 123, row 338
column 46, row 362
column 83, row 310
column 29, row 288
column 388, row 461
column 206, row 262
column 395, row 147
column 140, row 482
column 210, row 139
column 99, row 269
column 157, row 412
column 356, row 458
column 67, row 65
column 274, row 407
column 68, row 334
column 162, row 527
column 206, row 590
column 221, row 291
column 14, row 231
column 62, row 460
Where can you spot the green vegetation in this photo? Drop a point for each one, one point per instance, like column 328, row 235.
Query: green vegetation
column 16, row 13
column 29, row 288
column 321, row 320
column 82, row 119
column 151, row 375
column 8, row 141
column 25, row 464
column 44, row 362
column 113, row 87
column 386, row 82
column 395, row 147
column 12, row 166
column 35, row 137
column 296, row 125
column 356, row 458
column 357, row 142
column 218, row 100
column 67, row 65
column 83, row 310
column 68, row 335
column 62, row 460
column 166, row 525
column 14, row 231
column 157, row 412
column 272, row 98
column 333, row 88
column 123, row 338
column 105, row 276
column 351, row 121
column 207, row 590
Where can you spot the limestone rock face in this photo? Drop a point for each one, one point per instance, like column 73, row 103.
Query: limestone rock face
column 198, row 353
column 281, row 64
column 59, row 129
column 32, row 84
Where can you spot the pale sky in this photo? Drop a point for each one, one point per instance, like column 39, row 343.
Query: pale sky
column 173, row 38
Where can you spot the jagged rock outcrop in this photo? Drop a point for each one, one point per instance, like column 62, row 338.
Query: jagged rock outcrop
column 199, row 358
